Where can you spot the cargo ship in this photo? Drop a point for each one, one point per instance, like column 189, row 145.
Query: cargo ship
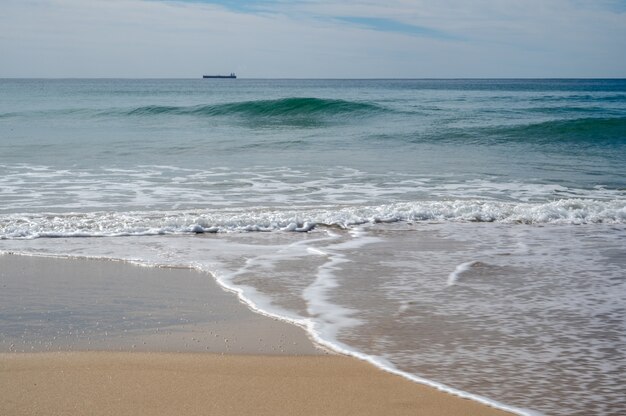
column 232, row 75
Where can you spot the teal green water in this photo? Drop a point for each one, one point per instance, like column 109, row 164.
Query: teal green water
column 554, row 137
column 471, row 129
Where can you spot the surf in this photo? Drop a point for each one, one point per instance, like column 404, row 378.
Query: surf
column 306, row 219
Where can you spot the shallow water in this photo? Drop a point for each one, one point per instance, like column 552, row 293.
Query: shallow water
column 468, row 232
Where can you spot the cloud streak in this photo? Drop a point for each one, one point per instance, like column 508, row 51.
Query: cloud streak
column 390, row 25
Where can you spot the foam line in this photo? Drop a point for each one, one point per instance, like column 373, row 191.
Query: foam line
column 460, row 269
column 304, row 219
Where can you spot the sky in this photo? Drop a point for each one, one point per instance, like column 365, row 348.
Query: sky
column 313, row 38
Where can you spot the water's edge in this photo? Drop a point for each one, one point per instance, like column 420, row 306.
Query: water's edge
column 308, row 325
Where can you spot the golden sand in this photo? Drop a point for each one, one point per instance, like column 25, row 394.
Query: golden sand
column 104, row 383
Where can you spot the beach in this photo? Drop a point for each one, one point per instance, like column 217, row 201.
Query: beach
column 462, row 234
column 257, row 366
column 198, row 384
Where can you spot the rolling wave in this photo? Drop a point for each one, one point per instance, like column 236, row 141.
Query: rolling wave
column 591, row 128
column 294, row 107
column 589, row 131
column 285, row 107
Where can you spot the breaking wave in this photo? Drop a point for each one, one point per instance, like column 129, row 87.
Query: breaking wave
column 110, row 224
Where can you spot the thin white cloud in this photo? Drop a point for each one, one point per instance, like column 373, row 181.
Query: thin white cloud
column 483, row 38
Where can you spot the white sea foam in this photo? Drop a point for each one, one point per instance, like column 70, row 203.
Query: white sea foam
column 460, row 269
column 26, row 188
column 316, row 251
column 331, row 317
column 137, row 223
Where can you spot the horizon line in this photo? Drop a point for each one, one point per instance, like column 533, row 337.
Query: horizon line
column 320, row 78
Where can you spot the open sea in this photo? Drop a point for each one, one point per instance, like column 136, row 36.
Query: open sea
column 468, row 234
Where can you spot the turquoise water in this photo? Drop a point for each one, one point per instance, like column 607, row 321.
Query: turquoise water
column 568, row 133
column 470, row 232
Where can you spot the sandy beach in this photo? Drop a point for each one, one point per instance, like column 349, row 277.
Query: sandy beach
column 249, row 364
column 98, row 383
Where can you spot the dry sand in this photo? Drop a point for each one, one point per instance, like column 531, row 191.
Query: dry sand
column 107, row 306
column 101, row 383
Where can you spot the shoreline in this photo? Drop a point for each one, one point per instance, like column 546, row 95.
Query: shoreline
column 84, row 304
column 158, row 353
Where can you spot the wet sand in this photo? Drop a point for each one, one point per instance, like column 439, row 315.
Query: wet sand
column 63, row 323
column 52, row 304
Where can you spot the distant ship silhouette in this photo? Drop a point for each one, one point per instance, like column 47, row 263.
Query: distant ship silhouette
column 232, row 75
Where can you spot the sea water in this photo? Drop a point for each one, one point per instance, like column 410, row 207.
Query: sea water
column 468, row 234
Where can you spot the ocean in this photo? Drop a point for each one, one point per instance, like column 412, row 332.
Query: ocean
column 468, row 234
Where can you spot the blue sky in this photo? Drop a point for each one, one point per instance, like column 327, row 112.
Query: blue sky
column 313, row 38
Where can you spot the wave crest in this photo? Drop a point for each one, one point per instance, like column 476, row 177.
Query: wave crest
column 570, row 130
column 110, row 224
column 285, row 107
